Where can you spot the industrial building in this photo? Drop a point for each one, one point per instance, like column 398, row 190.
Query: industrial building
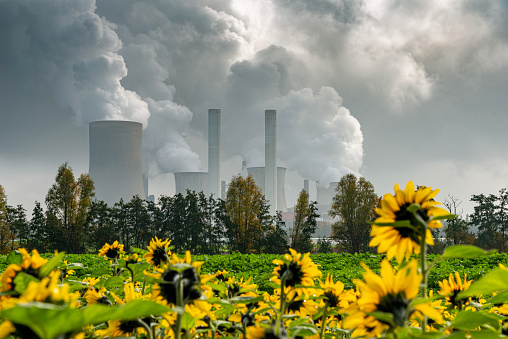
column 115, row 160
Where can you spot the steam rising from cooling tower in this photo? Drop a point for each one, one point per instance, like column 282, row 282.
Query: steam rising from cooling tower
column 115, row 160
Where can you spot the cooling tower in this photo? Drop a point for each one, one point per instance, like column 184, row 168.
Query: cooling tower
column 214, row 152
column 271, row 160
column 325, row 194
column 115, row 160
column 258, row 173
column 192, row 181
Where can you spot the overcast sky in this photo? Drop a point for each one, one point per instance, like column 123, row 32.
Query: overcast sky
column 392, row 90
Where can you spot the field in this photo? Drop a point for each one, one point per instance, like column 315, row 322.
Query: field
column 344, row 267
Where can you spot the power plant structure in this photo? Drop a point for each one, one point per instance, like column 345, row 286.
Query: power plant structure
column 115, row 160
column 270, row 185
column 214, row 186
column 259, row 174
column 192, row 181
column 325, row 195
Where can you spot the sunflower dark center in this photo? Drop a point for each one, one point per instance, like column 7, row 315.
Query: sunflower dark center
column 171, row 280
column 233, row 290
column 295, row 305
column 333, row 300
column 159, row 255
column 453, row 298
column 128, row 327
column 294, row 274
column 395, row 304
column 112, row 253
column 404, row 214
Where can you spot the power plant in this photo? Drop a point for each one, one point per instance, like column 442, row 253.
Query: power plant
column 115, row 160
column 214, row 186
column 259, row 174
column 192, row 181
column 115, row 165
column 271, row 160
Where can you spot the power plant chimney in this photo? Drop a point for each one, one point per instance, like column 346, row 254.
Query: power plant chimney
column 258, row 173
column 214, row 152
column 271, row 159
column 115, row 160
column 306, row 185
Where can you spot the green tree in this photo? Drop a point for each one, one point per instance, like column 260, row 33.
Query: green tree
column 248, row 210
column 502, row 217
column 456, row 230
column 275, row 239
column 353, row 205
column 99, row 226
column 38, row 232
column 5, row 232
column 305, row 223
column 68, row 202
column 16, row 218
column 484, row 217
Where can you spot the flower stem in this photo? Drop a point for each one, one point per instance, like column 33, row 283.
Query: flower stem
column 323, row 320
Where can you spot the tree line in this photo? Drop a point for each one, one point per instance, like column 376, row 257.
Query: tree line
column 75, row 222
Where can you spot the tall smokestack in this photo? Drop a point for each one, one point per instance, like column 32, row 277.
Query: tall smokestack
column 306, row 185
column 271, row 159
column 214, row 152
column 259, row 174
column 115, row 160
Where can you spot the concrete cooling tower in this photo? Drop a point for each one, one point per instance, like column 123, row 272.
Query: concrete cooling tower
column 115, row 160
column 258, row 173
column 192, row 181
column 325, row 194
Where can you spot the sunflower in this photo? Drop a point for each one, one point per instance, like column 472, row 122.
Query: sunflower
column 113, row 251
column 295, row 269
column 237, row 288
column 401, row 241
column 182, row 272
column 92, row 296
column 335, row 294
column 158, row 251
column 121, row 328
column 389, row 293
column 258, row 332
column 30, row 265
column 451, row 287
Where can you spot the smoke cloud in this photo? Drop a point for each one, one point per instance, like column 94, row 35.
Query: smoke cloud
column 335, row 71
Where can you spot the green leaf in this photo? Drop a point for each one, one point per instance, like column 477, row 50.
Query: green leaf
column 463, row 251
column 217, row 287
column 51, row 265
column 469, row 320
column 46, row 320
column 443, row 217
column 457, row 335
column 496, row 280
column 14, row 257
column 139, row 308
column 486, row 335
column 413, row 208
column 385, row 317
column 499, row 298
column 100, row 272
column 22, row 280
column 188, row 321
column 114, row 282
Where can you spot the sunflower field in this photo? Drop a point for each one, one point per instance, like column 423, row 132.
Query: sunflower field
column 155, row 293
